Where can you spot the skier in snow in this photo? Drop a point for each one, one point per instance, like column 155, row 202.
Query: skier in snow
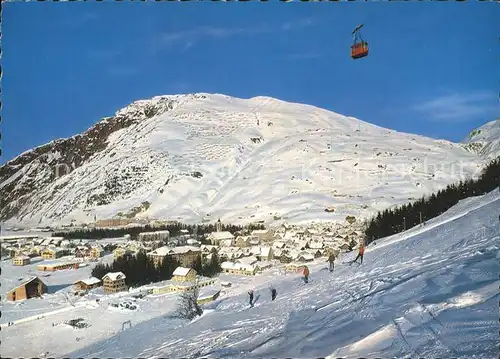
column 331, row 259
column 360, row 253
column 306, row 274
column 250, row 293
column 273, row 293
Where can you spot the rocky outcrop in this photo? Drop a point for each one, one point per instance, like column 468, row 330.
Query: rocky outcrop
column 37, row 168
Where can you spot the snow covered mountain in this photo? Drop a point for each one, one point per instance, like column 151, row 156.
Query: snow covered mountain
column 208, row 156
column 485, row 140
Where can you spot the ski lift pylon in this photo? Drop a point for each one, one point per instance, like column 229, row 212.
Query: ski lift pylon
column 359, row 48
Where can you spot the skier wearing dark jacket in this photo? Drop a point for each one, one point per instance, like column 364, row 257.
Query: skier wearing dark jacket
column 250, row 293
column 331, row 260
column 273, row 294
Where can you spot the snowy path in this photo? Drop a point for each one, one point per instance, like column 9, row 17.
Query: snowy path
column 430, row 295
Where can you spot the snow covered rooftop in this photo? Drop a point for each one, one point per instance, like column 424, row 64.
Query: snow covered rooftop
column 247, row 260
column 208, row 293
column 315, row 244
column 238, row 266
column 185, row 249
column 181, row 271
column 265, row 251
column 222, row 235
column 113, row 276
column 260, row 231
column 30, row 279
column 90, row 281
column 162, row 251
column 54, row 249
column 166, row 250
column 207, row 247
column 306, row 256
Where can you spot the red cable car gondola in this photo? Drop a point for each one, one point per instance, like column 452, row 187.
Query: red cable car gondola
column 360, row 47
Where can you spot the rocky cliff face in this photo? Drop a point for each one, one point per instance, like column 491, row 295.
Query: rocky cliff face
column 485, row 140
column 25, row 175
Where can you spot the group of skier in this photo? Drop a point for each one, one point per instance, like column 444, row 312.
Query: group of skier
column 361, row 252
column 305, row 272
column 274, row 293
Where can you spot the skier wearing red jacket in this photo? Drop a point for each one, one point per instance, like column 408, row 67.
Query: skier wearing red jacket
column 306, row 274
column 360, row 253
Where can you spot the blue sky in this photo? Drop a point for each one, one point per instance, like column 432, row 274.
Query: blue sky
column 433, row 67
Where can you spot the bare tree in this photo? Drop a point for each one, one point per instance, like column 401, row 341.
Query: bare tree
column 188, row 307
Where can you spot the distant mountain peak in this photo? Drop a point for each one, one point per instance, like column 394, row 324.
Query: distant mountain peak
column 485, row 140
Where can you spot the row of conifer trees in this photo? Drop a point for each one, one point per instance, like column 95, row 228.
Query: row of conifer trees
column 392, row 221
column 140, row 270
column 173, row 228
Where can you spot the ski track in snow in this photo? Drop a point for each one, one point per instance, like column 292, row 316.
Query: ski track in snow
column 426, row 293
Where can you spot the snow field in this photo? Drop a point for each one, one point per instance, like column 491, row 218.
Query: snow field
column 432, row 294
column 59, row 284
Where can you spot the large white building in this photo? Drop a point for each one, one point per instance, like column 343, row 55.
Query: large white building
column 264, row 235
column 154, row 236
column 223, row 239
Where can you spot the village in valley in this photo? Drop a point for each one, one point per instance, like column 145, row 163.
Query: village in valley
column 49, row 279
column 244, row 253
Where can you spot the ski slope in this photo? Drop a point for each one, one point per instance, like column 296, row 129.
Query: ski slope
column 429, row 292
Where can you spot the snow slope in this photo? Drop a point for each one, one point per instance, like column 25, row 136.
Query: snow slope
column 485, row 140
column 429, row 292
column 190, row 156
column 59, row 284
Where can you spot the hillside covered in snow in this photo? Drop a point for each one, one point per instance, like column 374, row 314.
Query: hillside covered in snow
column 429, row 292
column 201, row 157
column 485, row 140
